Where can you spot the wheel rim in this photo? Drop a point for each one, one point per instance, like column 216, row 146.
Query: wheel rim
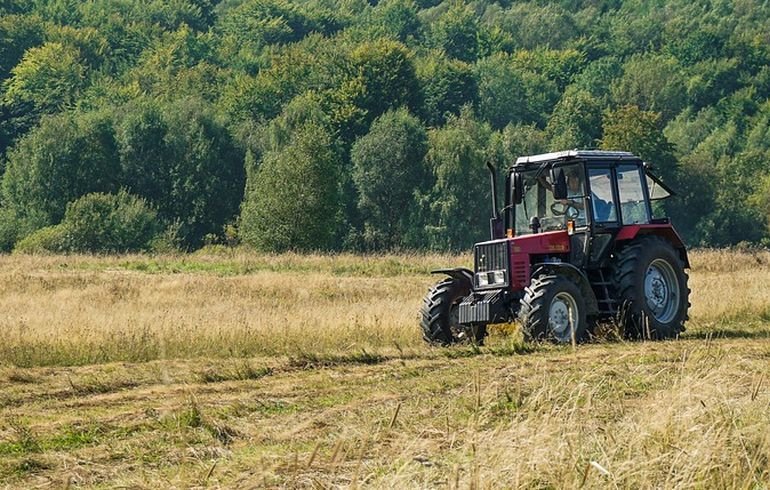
column 562, row 316
column 661, row 291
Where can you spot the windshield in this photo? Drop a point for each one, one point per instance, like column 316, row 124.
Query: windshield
column 538, row 201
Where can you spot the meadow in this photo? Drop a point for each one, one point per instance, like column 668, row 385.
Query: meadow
column 226, row 368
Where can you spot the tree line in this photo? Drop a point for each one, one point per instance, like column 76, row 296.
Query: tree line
column 363, row 125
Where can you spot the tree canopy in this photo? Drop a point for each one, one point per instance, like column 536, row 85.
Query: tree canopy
column 331, row 124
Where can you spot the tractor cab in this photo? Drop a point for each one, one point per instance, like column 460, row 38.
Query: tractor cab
column 586, row 193
column 578, row 240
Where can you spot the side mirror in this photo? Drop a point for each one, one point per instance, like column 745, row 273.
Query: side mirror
column 559, row 183
column 518, row 188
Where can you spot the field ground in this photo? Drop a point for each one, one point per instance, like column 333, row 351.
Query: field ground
column 234, row 370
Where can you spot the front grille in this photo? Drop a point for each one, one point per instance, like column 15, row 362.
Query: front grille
column 489, row 259
column 491, row 256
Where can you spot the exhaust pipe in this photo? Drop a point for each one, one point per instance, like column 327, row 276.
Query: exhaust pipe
column 495, row 224
column 493, row 181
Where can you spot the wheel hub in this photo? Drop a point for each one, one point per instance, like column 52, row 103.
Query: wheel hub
column 661, row 290
column 561, row 316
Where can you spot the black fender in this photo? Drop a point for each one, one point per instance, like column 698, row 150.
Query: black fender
column 461, row 274
column 575, row 275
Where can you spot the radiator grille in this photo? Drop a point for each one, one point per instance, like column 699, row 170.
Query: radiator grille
column 491, row 256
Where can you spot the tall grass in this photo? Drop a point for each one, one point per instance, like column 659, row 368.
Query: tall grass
column 83, row 310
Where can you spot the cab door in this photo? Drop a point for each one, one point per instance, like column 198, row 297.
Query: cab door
column 604, row 220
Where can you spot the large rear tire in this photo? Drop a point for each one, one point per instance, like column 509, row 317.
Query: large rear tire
column 553, row 309
column 439, row 315
column 652, row 289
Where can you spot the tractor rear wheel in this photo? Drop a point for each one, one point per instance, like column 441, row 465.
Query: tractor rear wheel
column 652, row 289
column 439, row 315
column 553, row 309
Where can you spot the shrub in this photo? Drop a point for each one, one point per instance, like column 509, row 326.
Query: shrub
column 51, row 239
column 110, row 223
column 98, row 223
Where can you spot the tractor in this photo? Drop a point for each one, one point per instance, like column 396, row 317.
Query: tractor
column 575, row 244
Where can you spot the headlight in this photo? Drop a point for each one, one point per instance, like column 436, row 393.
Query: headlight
column 498, row 277
column 484, row 279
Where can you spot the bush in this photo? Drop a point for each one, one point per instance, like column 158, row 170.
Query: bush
column 51, row 239
column 98, row 223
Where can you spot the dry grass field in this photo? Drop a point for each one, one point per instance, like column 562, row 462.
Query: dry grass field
column 226, row 369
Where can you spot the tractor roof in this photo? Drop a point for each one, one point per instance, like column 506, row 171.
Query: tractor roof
column 587, row 155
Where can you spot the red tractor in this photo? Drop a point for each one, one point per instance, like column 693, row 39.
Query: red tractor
column 576, row 243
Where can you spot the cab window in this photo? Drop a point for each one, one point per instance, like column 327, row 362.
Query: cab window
column 633, row 207
column 602, row 201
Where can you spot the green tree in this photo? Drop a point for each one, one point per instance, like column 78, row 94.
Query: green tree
column 447, row 85
column 396, row 19
column 387, row 73
column 510, row 94
column 67, row 156
column 456, row 32
column 521, row 140
column 49, row 77
column 146, row 160
column 181, row 158
column 597, row 77
column 534, row 26
column 255, row 24
column 102, row 223
column 559, row 66
column 457, row 156
column 632, row 129
column 19, row 33
column 388, row 168
column 206, row 167
column 294, row 201
column 712, row 80
column 654, row 83
column 576, row 121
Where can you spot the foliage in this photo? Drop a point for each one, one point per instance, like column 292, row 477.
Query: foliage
column 177, row 93
column 457, row 156
column 652, row 82
column 632, row 129
column 46, row 240
column 206, row 171
column 67, row 156
column 49, row 77
column 447, row 85
column 455, row 32
column 105, row 223
column 388, row 77
column 110, row 223
column 388, row 156
column 576, row 121
column 294, row 200
column 511, row 94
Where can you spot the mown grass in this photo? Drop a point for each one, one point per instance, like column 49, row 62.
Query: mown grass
column 309, row 372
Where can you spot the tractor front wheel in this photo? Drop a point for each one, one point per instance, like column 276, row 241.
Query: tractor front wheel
column 439, row 315
column 553, row 309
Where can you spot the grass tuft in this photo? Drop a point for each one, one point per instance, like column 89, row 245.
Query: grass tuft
column 242, row 371
column 307, row 360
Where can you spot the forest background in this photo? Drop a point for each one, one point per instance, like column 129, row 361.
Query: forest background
column 330, row 125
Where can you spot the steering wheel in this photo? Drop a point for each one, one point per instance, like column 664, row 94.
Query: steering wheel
column 559, row 208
